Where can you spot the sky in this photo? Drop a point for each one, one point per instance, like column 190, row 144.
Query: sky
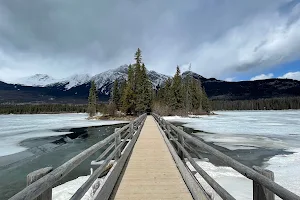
column 227, row 39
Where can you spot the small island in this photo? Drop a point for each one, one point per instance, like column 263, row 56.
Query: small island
column 179, row 95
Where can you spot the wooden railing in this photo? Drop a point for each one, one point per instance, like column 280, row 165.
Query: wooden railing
column 264, row 186
column 41, row 181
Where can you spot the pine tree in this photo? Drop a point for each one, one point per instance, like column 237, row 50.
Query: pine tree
column 205, row 101
column 122, row 90
column 144, row 91
column 115, row 94
column 168, row 93
column 177, row 102
column 92, row 100
column 188, row 92
column 138, row 57
column 128, row 96
column 148, row 90
column 196, row 95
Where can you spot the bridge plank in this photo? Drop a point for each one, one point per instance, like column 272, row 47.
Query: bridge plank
column 151, row 172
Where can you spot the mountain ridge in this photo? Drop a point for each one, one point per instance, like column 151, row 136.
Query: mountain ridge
column 75, row 88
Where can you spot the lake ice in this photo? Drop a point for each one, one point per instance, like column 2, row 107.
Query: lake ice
column 233, row 130
column 16, row 128
column 249, row 130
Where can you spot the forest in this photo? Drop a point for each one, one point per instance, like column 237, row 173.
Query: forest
column 179, row 95
column 282, row 103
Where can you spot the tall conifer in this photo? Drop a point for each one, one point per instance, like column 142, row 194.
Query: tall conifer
column 92, row 100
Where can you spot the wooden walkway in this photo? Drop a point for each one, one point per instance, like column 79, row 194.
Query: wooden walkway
column 151, row 172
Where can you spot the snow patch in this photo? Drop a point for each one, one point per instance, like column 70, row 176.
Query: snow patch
column 36, row 80
column 286, row 169
column 66, row 190
column 236, row 184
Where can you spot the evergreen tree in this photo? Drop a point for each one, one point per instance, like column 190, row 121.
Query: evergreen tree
column 144, row 91
column 128, row 96
column 92, row 100
column 123, row 86
column 138, row 57
column 115, row 94
column 197, row 97
column 177, row 102
column 167, row 92
column 205, row 101
column 188, row 92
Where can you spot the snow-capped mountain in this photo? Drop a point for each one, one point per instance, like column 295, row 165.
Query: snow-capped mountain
column 36, row 80
column 75, row 89
column 72, row 81
column 103, row 80
column 43, row 80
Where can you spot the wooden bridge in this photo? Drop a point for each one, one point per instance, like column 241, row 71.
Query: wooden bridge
column 148, row 158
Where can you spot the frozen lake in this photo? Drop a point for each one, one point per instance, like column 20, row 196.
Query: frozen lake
column 16, row 128
column 239, row 131
column 267, row 133
column 31, row 142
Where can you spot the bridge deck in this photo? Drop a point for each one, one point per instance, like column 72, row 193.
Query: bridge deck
column 151, row 172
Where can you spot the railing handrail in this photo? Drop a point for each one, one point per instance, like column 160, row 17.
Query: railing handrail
column 37, row 188
column 239, row 167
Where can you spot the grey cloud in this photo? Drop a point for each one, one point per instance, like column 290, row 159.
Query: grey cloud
column 72, row 36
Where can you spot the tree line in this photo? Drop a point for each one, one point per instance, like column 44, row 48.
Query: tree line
column 179, row 95
column 42, row 108
column 282, row 103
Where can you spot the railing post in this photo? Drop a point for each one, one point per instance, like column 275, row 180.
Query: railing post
column 259, row 191
column 117, row 142
column 181, row 141
column 168, row 128
column 36, row 175
column 131, row 129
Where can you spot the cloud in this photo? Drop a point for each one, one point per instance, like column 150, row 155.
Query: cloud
column 262, row 77
column 230, row 79
column 291, row 75
column 61, row 38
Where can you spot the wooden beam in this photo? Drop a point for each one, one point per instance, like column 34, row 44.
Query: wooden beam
column 259, row 191
column 36, row 175
column 117, row 142
column 193, row 185
column 105, row 192
column 181, row 141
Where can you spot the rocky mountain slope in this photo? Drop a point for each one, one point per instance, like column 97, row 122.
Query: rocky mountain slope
column 42, row 88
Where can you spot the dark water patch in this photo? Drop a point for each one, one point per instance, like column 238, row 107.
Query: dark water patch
column 50, row 152
column 249, row 157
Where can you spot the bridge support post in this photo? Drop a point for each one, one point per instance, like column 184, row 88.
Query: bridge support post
column 168, row 129
column 36, row 175
column 131, row 130
column 259, row 191
column 181, row 141
column 117, row 142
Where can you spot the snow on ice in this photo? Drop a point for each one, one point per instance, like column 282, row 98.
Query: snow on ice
column 16, row 128
column 248, row 130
